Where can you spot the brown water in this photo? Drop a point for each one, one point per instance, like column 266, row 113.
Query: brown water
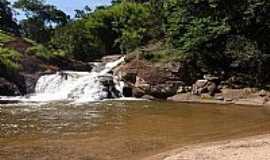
column 119, row 130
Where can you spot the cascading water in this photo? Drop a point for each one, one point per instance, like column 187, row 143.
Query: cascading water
column 78, row 86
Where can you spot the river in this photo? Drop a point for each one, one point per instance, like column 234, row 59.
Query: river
column 119, row 130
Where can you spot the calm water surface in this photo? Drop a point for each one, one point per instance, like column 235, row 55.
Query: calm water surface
column 119, row 130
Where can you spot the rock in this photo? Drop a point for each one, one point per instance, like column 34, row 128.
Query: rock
column 256, row 101
column 165, row 90
column 211, row 78
column 109, row 86
column 30, row 81
column 138, row 93
column 127, row 91
column 3, row 101
column 267, row 104
column 220, row 98
column 201, row 83
column 206, row 96
column 128, row 76
column 106, row 80
column 160, row 80
column 184, row 89
column 250, row 90
column 204, row 86
column 183, row 97
column 262, row 93
column 212, row 87
column 142, row 84
column 228, row 99
column 148, row 97
column 174, row 67
column 181, row 89
column 110, row 58
column 8, row 88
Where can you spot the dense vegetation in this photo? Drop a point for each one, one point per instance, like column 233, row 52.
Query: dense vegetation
column 216, row 35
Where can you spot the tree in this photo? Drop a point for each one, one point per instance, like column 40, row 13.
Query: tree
column 82, row 13
column 7, row 23
column 108, row 30
column 41, row 19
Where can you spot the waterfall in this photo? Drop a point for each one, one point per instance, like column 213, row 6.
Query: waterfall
column 79, row 86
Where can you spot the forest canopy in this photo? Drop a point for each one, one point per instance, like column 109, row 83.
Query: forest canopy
column 218, row 35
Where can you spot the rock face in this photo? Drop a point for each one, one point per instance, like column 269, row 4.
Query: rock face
column 155, row 80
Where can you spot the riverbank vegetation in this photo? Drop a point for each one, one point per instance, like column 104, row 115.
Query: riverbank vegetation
column 215, row 36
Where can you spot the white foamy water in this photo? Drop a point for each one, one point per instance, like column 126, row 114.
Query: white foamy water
column 73, row 86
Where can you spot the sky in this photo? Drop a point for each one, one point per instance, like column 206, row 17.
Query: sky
column 68, row 6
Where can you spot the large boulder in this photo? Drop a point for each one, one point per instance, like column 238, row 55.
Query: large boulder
column 109, row 86
column 154, row 79
column 164, row 90
column 204, row 86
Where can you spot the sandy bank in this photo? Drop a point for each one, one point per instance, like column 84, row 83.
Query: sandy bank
column 246, row 97
column 252, row 148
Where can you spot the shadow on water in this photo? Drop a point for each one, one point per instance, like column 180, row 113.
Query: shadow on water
column 119, row 129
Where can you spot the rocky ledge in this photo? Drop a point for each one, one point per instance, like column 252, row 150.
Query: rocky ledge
column 176, row 81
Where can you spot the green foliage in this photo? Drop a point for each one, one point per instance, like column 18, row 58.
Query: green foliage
column 10, row 58
column 43, row 52
column 164, row 55
column 241, row 49
column 76, row 41
column 114, row 29
column 130, row 24
column 216, row 35
column 119, row 26
column 189, row 27
column 41, row 19
column 4, row 37
column 7, row 22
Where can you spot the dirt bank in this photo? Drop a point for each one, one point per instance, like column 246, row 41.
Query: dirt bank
column 252, row 148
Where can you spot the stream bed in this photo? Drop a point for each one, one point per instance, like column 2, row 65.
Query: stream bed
column 119, row 130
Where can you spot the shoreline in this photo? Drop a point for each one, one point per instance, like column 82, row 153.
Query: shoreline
column 218, row 102
column 226, row 97
column 248, row 148
column 242, row 102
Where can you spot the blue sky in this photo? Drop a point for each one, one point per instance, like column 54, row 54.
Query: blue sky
column 69, row 6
